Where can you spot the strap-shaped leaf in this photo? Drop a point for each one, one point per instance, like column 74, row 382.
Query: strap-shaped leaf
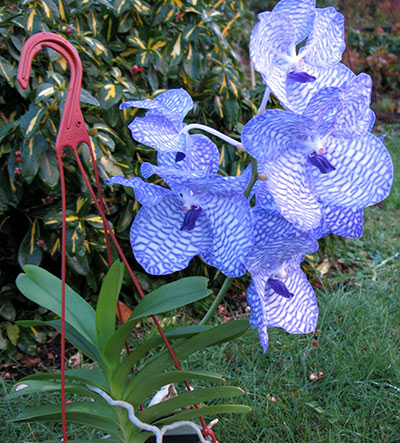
column 46, row 386
column 168, row 407
column 219, row 334
column 107, row 302
column 43, row 288
column 71, row 334
column 205, row 411
column 136, row 437
column 99, row 415
column 89, row 376
column 170, row 296
column 137, row 393
column 130, row 360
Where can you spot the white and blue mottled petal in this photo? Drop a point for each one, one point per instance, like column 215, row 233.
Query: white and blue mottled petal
column 297, row 315
column 347, row 222
column 301, row 14
column 174, row 104
column 264, row 198
column 158, row 243
column 363, row 175
column 325, row 44
column 300, row 94
column 232, row 231
column 271, row 38
column 288, row 183
column 157, row 131
column 323, row 109
column 257, row 314
column 355, row 116
column 266, row 136
column 145, row 193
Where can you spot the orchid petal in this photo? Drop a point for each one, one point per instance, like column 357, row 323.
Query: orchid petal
column 363, row 175
column 158, row 243
column 173, row 103
column 301, row 15
column 145, row 193
column 347, row 222
column 354, row 118
column 271, row 37
column 325, row 44
column 267, row 135
column 299, row 94
column 257, row 314
column 298, row 314
column 290, row 188
column 157, row 131
column 229, row 217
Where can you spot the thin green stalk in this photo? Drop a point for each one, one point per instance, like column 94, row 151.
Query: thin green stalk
column 217, row 301
column 228, row 280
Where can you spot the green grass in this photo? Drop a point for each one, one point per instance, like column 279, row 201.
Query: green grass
column 358, row 397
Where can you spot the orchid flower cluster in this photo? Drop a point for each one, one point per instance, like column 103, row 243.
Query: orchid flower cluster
column 315, row 166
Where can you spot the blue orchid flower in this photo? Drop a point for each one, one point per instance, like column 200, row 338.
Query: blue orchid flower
column 294, row 77
column 206, row 216
column 161, row 129
column 279, row 294
column 324, row 158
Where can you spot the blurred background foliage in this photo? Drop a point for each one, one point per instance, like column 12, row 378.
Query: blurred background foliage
column 131, row 49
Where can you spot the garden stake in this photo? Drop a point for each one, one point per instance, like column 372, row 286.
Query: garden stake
column 72, row 132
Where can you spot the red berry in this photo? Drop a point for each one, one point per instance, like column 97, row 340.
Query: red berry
column 314, row 342
column 18, row 153
column 69, row 31
column 40, row 242
column 17, row 171
column 19, row 159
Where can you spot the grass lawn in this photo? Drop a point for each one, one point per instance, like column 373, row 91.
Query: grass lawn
column 355, row 394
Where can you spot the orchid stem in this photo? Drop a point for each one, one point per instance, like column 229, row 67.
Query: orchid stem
column 228, row 280
column 212, row 131
column 217, row 301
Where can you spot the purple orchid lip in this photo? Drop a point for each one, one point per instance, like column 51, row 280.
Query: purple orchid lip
column 179, row 156
column 191, row 216
column 279, row 287
column 322, row 163
column 301, row 77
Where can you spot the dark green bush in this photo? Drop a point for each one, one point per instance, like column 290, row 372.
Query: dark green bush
column 130, row 49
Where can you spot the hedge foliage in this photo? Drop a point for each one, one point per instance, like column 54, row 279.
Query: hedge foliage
column 130, row 49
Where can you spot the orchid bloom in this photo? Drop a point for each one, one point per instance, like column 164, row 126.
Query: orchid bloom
column 161, row 129
column 324, row 158
column 206, row 216
column 295, row 76
column 279, row 294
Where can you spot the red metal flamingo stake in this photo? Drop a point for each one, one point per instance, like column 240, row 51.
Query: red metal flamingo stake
column 72, row 132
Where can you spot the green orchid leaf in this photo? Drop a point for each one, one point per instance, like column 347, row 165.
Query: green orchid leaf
column 107, row 302
column 134, row 357
column 43, row 288
column 137, row 393
column 94, row 414
column 87, row 376
column 71, row 334
column 219, row 334
column 196, row 396
column 167, row 297
column 45, row 386
column 172, row 296
column 205, row 411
